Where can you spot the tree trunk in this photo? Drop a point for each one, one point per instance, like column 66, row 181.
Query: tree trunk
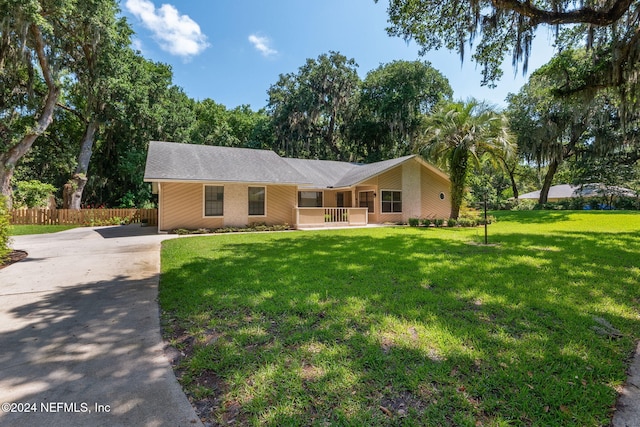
column 73, row 189
column 10, row 159
column 5, row 186
column 548, row 179
column 72, row 192
column 459, row 161
column 514, row 186
column 329, row 137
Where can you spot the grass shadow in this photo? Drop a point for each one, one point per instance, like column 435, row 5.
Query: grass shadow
column 332, row 327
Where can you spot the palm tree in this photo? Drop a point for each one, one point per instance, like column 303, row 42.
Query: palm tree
column 459, row 132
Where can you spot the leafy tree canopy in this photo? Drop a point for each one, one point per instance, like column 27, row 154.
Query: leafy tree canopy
column 310, row 107
column 392, row 101
column 611, row 28
column 553, row 123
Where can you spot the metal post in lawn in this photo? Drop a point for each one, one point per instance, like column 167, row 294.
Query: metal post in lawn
column 486, row 238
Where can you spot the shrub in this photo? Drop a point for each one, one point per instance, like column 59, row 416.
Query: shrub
column 249, row 228
column 452, row 222
column 466, row 222
column 32, row 194
column 490, row 219
column 438, row 222
column 524, row 205
column 5, row 238
column 148, row 204
column 627, row 203
column 594, row 203
column 201, row 231
column 426, row 222
column 180, row 231
column 280, row 227
column 414, row 222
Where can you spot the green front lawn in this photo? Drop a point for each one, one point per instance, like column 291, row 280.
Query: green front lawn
column 408, row 326
column 19, row 230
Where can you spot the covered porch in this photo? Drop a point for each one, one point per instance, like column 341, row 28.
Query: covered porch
column 312, row 217
column 321, row 208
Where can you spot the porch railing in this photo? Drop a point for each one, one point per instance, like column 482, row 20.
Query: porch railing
column 319, row 217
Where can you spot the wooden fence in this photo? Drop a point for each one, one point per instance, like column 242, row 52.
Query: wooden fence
column 38, row 216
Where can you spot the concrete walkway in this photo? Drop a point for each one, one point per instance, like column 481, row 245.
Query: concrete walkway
column 628, row 409
column 80, row 340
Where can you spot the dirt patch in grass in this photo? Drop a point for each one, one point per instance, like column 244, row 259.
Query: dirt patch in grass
column 399, row 405
column 208, row 388
column 13, row 257
column 207, row 406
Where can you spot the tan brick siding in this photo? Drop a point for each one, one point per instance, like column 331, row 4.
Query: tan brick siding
column 182, row 206
column 281, row 199
column 432, row 185
column 390, row 180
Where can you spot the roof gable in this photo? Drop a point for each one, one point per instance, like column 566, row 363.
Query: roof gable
column 364, row 172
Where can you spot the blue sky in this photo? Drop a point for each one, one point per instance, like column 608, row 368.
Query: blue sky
column 232, row 50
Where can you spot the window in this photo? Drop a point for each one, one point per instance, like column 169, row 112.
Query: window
column 441, row 196
column 256, row 200
column 213, row 200
column 391, row 201
column 310, row 199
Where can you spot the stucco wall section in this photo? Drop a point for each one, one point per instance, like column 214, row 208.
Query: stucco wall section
column 432, row 186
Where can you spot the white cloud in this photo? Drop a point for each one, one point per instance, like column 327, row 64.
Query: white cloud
column 262, row 44
column 177, row 34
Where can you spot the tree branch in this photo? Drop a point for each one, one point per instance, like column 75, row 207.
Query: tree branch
column 73, row 111
column 42, row 58
column 585, row 15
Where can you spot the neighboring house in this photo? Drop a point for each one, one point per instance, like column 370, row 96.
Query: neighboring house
column 201, row 186
column 566, row 191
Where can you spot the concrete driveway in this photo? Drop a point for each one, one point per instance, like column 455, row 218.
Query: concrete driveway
column 79, row 333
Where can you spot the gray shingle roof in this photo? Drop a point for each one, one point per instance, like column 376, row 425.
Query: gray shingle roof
column 566, row 191
column 330, row 174
column 190, row 162
column 321, row 173
column 363, row 172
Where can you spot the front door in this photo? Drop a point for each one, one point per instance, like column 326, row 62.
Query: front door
column 365, row 200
